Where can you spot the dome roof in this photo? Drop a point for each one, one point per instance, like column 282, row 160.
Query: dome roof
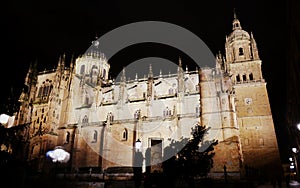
column 238, row 34
column 95, row 51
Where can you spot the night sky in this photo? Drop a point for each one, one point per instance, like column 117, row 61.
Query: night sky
column 43, row 31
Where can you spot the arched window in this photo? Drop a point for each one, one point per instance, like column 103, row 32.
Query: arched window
column 67, row 137
column 241, row 51
column 124, row 135
column 238, row 78
column 171, row 91
column 95, row 136
column 244, row 78
column 250, row 76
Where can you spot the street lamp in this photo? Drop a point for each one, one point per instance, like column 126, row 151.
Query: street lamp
column 58, row 155
column 295, row 153
column 298, row 126
column 138, row 145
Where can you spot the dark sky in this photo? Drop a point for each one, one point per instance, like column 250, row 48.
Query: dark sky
column 42, row 31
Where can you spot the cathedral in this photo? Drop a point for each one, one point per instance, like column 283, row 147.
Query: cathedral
column 99, row 120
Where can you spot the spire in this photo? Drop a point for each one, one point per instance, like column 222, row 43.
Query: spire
column 31, row 74
column 234, row 14
column 180, row 63
column 27, row 78
column 236, row 25
column 150, row 90
column 64, row 59
column 179, row 70
column 180, row 77
column 254, row 49
column 150, row 74
column 252, row 38
column 72, row 62
column 123, row 77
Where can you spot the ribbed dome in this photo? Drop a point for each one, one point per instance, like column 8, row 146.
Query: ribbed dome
column 238, row 34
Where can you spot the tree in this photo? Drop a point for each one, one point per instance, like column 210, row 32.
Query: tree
column 194, row 158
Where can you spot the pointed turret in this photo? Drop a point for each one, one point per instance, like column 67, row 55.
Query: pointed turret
column 219, row 62
column 123, row 76
column 254, row 49
column 150, row 91
column 122, row 88
column 150, row 74
column 180, row 75
column 31, row 74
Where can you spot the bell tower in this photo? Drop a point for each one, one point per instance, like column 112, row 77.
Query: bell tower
column 254, row 116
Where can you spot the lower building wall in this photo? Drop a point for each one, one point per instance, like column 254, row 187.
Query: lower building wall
column 227, row 158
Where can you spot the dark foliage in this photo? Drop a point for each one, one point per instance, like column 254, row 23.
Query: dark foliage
column 195, row 159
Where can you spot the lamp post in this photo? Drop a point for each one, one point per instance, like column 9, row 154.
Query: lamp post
column 295, row 156
column 58, row 155
column 138, row 163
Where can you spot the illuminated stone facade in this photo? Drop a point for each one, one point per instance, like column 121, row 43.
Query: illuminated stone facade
column 98, row 120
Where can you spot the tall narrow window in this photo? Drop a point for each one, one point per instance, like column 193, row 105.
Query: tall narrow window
column 238, row 78
column 45, row 92
column 251, row 76
column 67, row 137
column 95, row 136
column 244, row 78
column 241, row 51
column 124, row 135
